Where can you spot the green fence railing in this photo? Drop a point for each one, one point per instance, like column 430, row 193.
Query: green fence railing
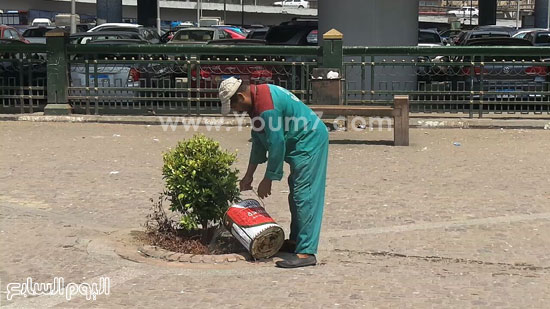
column 171, row 79
column 22, row 78
column 178, row 79
column 471, row 80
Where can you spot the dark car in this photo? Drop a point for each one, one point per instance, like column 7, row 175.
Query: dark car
column 503, row 77
column 257, row 33
column 449, row 35
column 297, row 32
column 539, row 38
column 147, row 34
column 509, row 30
column 466, row 36
column 428, row 37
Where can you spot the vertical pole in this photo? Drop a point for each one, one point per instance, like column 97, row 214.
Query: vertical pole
column 225, row 12
column 471, row 6
column 548, row 16
column 73, row 16
column 198, row 13
column 242, row 13
column 158, row 17
column 517, row 15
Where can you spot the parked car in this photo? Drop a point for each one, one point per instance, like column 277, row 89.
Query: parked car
column 117, row 75
column 466, row 36
column 429, row 38
column 198, row 35
column 237, row 29
column 10, row 33
column 41, row 22
column 148, row 34
column 234, row 34
column 87, row 37
column 210, row 75
column 539, row 37
column 521, row 33
column 509, row 30
column 292, row 3
column 37, row 34
column 510, row 77
column 448, row 35
column 465, row 11
column 297, row 32
column 258, row 33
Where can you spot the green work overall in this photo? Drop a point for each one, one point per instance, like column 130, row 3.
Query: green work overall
column 288, row 130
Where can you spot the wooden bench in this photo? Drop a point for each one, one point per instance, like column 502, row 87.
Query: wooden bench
column 399, row 113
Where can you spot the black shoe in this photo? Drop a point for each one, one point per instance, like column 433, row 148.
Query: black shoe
column 288, row 246
column 294, row 262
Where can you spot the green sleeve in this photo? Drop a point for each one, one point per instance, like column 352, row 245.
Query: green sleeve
column 258, row 152
column 274, row 131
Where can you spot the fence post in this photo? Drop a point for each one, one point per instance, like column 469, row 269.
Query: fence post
column 401, row 120
column 333, row 55
column 325, row 90
column 57, row 73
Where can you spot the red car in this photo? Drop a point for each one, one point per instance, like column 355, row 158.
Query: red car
column 234, row 35
column 10, row 33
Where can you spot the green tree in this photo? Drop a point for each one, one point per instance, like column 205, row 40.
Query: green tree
column 200, row 182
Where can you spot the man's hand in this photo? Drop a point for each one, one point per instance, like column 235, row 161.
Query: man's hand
column 264, row 190
column 246, row 183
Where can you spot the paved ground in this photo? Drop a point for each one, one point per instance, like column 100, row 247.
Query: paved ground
column 427, row 226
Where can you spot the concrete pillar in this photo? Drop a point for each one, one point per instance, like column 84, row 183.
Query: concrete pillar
column 109, row 11
column 487, row 12
column 147, row 13
column 541, row 13
column 371, row 22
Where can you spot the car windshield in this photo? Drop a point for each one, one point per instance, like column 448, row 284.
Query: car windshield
column 35, row 33
column 543, row 38
column 428, row 38
column 194, row 35
column 488, row 35
column 90, row 39
column 281, row 35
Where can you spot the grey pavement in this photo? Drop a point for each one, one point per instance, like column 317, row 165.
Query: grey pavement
column 427, row 226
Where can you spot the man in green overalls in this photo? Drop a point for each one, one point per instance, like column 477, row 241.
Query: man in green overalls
column 287, row 130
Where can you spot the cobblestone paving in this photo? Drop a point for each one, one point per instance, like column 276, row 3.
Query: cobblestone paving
column 427, row 226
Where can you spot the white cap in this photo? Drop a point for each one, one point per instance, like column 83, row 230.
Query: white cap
column 228, row 88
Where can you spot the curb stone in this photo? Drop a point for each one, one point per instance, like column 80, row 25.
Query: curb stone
column 416, row 121
column 163, row 254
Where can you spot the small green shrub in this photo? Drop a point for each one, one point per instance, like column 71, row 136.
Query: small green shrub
column 200, row 181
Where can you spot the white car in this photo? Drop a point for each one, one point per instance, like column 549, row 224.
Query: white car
column 293, row 4
column 464, row 12
column 114, row 25
column 41, row 22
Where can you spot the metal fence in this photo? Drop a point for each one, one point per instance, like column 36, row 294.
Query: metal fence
column 168, row 79
column 470, row 80
column 178, row 79
column 22, row 78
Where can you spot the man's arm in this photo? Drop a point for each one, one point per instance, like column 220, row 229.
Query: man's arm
column 276, row 146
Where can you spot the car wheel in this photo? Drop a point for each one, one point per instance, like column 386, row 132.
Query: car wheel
column 301, row 7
